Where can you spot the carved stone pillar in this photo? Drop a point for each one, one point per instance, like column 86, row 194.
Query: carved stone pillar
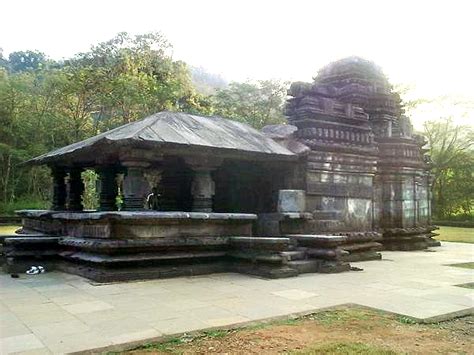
column 76, row 188
column 59, row 188
column 153, row 177
column 135, row 186
column 202, row 190
column 202, row 187
column 108, row 188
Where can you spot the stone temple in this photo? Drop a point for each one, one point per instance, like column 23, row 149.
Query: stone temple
column 344, row 179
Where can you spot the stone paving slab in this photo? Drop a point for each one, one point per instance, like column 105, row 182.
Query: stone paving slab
column 57, row 313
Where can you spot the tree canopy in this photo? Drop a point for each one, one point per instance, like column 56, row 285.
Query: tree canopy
column 46, row 104
column 452, row 155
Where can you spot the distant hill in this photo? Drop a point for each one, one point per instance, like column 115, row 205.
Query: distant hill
column 206, row 83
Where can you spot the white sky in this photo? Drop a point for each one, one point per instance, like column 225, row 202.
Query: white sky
column 428, row 45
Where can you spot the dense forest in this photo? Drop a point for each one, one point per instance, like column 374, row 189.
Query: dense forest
column 46, row 104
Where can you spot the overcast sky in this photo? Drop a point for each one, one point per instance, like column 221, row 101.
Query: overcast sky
column 428, row 45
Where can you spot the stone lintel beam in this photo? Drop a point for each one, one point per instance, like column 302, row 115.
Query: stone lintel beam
column 76, row 189
column 59, row 188
column 137, row 155
column 108, row 188
column 135, row 185
column 203, row 186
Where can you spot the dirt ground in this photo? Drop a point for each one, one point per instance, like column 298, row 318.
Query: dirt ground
column 347, row 331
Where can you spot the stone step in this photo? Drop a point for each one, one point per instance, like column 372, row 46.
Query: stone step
column 30, row 252
column 356, row 237
column 294, row 254
column 373, row 246
column 315, row 240
column 104, row 259
column 331, row 267
column 414, row 237
column 326, row 253
column 24, row 240
column 393, row 232
column 102, row 274
column 143, row 244
column 259, row 257
column 362, row 256
column 260, row 243
column 305, row 266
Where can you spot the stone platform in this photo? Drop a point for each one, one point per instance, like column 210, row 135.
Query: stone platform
column 125, row 246
column 142, row 224
column 60, row 313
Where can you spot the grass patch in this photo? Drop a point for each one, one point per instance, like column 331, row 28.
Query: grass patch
column 338, row 316
column 343, row 331
column 348, row 314
column 345, row 349
column 8, row 209
column 406, row 320
column 456, row 234
column 172, row 345
column 464, row 265
column 8, row 229
column 168, row 346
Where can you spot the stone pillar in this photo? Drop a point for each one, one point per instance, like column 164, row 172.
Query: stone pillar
column 202, row 189
column 135, row 186
column 153, row 177
column 59, row 189
column 76, row 188
column 108, row 188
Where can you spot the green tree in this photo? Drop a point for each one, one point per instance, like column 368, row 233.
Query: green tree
column 131, row 77
column 452, row 155
column 45, row 104
column 26, row 60
column 257, row 104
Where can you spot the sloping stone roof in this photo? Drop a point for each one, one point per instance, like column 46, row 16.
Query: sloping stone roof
column 177, row 129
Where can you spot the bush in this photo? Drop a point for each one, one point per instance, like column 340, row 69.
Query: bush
column 8, row 209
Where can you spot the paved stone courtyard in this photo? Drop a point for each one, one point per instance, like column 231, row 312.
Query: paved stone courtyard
column 60, row 313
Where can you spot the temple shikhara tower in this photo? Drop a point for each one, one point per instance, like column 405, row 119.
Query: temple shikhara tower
column 365, row 169
column 344, row 179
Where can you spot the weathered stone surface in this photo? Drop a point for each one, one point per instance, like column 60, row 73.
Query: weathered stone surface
column 366, row 169
column 317, row 240
column 129, row 215
column 305, row 266
column 374, row 246
column 259, row 243
column 139, row 224
column 362, row 256
column 102, row 274
column 137, row 258
column 138, row 245
column 292, row 201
